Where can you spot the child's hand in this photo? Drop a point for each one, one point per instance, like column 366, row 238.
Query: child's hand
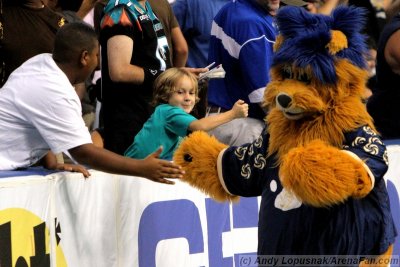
column 73, row 168
column 240, row 109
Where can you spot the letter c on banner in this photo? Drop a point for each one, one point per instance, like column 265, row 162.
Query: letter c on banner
column 164, row 220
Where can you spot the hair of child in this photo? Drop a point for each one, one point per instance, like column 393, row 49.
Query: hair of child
column 166, row 84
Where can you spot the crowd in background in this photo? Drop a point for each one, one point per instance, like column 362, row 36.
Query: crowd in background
column 140, row 39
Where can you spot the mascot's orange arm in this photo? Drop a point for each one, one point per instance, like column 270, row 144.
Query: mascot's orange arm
column 322, row 175
column 198, row 155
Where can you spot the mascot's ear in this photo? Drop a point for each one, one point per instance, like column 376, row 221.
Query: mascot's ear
column 350, row 21
column 294, row 22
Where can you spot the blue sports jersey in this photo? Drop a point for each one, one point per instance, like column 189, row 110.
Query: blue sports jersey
column 288, row 227
column 242, row 38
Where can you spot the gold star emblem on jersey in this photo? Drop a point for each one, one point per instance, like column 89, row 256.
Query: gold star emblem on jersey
column 61, row 22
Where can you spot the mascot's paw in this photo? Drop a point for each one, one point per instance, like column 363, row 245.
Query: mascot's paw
column 321, row 175
column 197, row 155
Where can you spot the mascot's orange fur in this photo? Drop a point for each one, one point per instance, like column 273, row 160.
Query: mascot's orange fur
column 319, row 165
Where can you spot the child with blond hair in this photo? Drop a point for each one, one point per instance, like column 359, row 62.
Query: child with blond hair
column 175, row 95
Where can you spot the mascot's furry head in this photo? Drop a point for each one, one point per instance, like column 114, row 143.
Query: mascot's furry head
column 317, row 78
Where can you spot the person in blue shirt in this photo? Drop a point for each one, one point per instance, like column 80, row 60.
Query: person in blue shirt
column 242, row 39
column 175, row 95
column 195, row 18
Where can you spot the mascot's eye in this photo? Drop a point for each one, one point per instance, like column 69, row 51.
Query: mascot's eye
column 188, row 157
column 286, row 73
column 304, row 78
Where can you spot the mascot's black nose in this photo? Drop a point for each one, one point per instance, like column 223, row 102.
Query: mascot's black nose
column 187, row 157
column 284, row 100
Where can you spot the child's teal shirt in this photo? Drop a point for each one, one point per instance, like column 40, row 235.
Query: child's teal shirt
column 166, row 126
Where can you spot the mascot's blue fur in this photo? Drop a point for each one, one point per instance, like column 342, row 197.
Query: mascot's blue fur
column 319, row 164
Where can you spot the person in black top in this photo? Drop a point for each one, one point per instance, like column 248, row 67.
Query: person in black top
column 134, row 52
column 383, row 104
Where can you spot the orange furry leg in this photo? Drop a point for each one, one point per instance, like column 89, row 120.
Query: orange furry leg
column 322, row 175
column 197, row 155
column 380, row 261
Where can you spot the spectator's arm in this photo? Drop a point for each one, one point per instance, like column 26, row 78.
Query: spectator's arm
column 393, row 9
column 328, row 6
column 392, row 52
column 180, row 47
column 387, row 3
column 85, row 8
column 119, row 53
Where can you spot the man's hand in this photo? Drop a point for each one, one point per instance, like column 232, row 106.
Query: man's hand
column 157, row 170
column 73, row 168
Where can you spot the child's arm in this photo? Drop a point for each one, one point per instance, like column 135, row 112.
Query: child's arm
column 239, row 110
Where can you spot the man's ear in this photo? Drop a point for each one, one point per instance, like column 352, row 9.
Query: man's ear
column 84, row 58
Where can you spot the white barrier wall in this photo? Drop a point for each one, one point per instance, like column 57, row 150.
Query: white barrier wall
column 392, row 178
column 111, row 220
column 62, row 219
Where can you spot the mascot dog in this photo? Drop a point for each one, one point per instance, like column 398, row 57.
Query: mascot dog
column 319, row 164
